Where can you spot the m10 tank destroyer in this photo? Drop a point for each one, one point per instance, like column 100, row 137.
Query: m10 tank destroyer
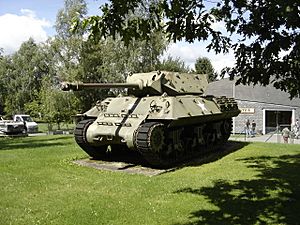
column 165, row 116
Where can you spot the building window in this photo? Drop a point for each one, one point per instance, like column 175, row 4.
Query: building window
column 277, row 118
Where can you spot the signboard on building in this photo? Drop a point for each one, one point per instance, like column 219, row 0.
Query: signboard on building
column 247, row 110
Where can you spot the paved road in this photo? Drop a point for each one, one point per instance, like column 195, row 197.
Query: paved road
column 269, row 138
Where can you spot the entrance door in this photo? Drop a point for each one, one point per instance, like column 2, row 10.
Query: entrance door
column 277, row 118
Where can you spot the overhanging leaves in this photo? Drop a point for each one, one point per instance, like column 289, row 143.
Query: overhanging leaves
column 264, row 34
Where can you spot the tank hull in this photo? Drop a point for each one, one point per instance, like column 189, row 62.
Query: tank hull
column 164, row 129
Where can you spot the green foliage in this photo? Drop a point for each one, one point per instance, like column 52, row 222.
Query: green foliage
column 270, row 51
column 57, row 106
column 40, row 184
column 33, row 108
column 173, row 64
column 72, row 10
column 29, row 78
column 23, row 73
column 203, row 66
column 108, row 60
column 263, row 34
column 4, row 68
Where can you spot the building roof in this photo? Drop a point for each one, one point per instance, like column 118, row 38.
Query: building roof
column 257, row 93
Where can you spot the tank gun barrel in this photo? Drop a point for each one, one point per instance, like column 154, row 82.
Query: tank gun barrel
column 67, row 86
column 152, row 83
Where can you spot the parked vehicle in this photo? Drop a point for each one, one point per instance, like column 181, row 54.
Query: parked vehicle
column 166, row 118
column 30, row 125
column 11, row 127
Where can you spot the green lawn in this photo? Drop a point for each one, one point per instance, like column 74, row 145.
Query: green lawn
column 39, row 184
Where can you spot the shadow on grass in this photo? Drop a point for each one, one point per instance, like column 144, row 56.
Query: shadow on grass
column 222, row 151
column 133, row 158
column 272, row 198
column 33, row 142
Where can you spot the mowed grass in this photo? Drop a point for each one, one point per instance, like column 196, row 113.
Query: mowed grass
column 39, row 184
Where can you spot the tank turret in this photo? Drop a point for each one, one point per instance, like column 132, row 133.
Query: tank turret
column 153, row 83
column 165, row 117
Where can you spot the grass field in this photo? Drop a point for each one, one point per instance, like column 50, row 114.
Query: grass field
column 39, row 184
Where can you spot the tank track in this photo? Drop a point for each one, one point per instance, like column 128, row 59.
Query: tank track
column 179, row 144
column 142, row 142
column 80, row 138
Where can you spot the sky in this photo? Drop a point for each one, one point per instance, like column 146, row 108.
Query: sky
column 22, row 19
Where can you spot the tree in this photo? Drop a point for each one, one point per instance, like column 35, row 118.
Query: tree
column 55, row 105
column 67, row 51
column 4, row 64
column 23, row 74
column 73, row 9
column 97, row 64
column 264, row 34
column 173, row 64
column 66, row 47
column 33, row 108
column 203, row 66
column 108, row 60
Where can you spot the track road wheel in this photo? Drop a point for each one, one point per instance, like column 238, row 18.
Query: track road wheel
column 80, row 138
column 156, row 138
column 150, row 140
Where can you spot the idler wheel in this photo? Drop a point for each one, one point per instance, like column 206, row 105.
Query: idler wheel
column 96, row 152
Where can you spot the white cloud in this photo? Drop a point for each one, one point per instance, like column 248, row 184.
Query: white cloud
column 190, row 52
column 15, row 29
column 28, row 12
column 219, row 26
